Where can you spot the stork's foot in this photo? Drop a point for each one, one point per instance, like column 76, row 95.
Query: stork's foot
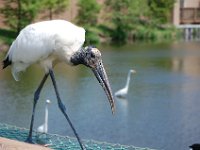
column 29, row 140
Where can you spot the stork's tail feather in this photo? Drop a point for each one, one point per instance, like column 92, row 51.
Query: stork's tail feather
column 6, row 62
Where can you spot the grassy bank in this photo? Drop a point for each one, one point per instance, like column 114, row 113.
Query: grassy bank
column 104, row 34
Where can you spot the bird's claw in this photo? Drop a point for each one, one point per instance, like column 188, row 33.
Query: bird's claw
column 29, row 140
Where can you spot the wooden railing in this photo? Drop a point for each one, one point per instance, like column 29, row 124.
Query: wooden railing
column 190, row 15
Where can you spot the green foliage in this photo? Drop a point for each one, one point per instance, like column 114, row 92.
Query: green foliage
column 91, row 38
column 154, row 34
column 161, row 9
column 92, row 35
column 87, row 17
column 7, row 36
column 19, row 13
column 88, row 12
column 132, row 19
column 139, row 8
column 125, row 14
column 54, row 6
column 120, row 18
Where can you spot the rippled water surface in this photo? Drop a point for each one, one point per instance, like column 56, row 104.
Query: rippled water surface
column 161, row 109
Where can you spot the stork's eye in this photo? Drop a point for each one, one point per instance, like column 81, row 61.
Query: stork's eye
column 92, row 55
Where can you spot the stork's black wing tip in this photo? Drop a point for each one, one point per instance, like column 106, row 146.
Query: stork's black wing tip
column 6, row 62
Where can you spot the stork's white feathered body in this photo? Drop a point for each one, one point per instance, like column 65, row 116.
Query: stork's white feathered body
column 45, row 42
column 123, row 92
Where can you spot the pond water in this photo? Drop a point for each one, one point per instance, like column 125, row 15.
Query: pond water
column 161, row 110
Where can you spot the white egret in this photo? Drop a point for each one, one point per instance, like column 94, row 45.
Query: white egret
column 123, row 92
column 44, row 127
column 51, row 42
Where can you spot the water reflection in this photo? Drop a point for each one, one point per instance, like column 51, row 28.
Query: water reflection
column 188, row 64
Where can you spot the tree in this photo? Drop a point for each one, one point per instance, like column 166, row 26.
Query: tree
column 131, row 19
column 120, row 18
column 139, row 8
column 87, row 17
column 19, row 13
column 88, row 12
column 55, row 6
column 161, row 9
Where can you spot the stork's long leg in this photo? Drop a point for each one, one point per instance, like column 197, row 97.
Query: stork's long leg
column 36, row 97
column 63, row 109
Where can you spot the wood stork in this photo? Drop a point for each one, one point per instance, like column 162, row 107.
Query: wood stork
column 123, row 92
column 51, row 42
column 44, row 127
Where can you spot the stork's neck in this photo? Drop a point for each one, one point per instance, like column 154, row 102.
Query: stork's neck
column 78, row 57
column 128, row 80
column 46, row 118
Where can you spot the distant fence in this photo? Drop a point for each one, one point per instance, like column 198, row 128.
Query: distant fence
column 190, row 31
column 190, row 15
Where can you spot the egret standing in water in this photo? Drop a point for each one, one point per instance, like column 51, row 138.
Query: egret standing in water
column 44, row 127
column 51, row 42
column 123, row 92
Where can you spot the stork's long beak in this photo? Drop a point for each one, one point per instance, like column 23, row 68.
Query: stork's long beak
column 101, row 76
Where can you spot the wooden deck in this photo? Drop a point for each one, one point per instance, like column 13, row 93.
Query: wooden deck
column 7, row 144
column 190, row 15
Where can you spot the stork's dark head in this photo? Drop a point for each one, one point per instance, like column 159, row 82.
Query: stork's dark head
column 91, row 57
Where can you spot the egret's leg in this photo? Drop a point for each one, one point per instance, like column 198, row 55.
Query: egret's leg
column 63, row 109
column 36, row 97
